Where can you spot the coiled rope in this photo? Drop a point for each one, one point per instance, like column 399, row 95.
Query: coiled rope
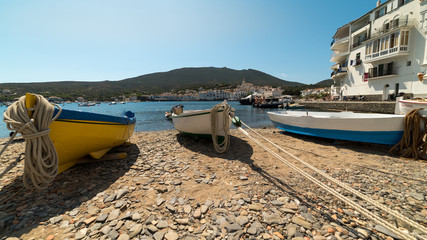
column 225, row 108
column 41, row 159
column 351, row 203
column 413, row 143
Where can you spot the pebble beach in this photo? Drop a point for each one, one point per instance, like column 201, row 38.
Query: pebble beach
column 174, row 187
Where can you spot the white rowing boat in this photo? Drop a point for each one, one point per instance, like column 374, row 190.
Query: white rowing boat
column 198, row 123
column 362, row 127
column 405, row 106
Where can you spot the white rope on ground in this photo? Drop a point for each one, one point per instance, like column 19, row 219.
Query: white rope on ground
column 215, row 111
column 348, row 188
column 41, row 159
column 351, row 203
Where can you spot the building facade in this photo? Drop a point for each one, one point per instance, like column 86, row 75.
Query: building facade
column 383, row 53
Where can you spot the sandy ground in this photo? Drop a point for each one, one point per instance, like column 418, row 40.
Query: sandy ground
column 244, row 159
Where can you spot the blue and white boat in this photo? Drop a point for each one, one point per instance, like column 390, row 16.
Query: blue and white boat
column 361, row 127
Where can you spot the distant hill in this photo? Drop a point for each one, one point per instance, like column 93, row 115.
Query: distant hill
column 179, row 79
column 325, row 83
column 187, row 78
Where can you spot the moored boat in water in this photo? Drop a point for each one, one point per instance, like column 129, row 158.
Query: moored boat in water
column 87, row 104
column 292, row 106
column 246, row 100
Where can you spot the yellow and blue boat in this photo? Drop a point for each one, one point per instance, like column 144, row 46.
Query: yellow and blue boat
column 76, row 134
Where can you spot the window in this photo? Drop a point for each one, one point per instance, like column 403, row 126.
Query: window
column 404, row 39
column 395, row 23
column 392, row 40
column 382, row 44
column 380, row 12
column 408, row 63
column 396, row 39
column 380, row 70
column 390, row 68
column 386, row 27
column 386, row 42
column 358, row 60
column 376, row 45
column 403, row 2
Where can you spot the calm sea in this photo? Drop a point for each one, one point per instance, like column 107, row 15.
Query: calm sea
column 150, row 116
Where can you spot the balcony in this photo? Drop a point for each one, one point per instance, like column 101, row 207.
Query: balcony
column 339, row 72
column 360, row 39
column 340, row 44
column 338, row 56
column 382, row 77
column 382, row 71
column 387, row 53
column 376, row 33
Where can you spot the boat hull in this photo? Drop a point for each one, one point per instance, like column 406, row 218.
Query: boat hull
column 270, row 105
column 294, row 106
column 405, row 106
column 76, row 134
column 245, row 101
column 372, row 128
column 198, row 123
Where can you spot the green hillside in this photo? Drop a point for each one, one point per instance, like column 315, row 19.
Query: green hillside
column 325, row 83
column 186, row 78
column 179, row 79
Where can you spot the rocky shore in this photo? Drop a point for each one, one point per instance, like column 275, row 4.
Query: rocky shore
column 175, row 187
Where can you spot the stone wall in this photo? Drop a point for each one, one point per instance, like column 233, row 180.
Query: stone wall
column 372, row 107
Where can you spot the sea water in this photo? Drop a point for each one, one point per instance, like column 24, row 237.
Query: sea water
column 150, row 116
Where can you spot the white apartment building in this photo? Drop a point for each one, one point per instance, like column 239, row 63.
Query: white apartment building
column 383, row 53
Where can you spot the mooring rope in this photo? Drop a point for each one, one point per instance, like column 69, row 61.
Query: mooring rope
column 41, row 159
column 351, row 203
column 413, row 141
column 215, row 111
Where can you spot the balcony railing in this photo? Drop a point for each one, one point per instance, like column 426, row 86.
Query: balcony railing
column 339, row 72
column 337, row 55
column 339, row 42
column 401, row 23
column 399, row 50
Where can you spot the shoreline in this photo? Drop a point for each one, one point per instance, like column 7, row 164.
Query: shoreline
column 175, row 187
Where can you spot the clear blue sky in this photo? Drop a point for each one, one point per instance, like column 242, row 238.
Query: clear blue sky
column 96, row 40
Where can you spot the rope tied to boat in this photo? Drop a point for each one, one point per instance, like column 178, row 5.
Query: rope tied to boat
column 41, row 159
column 225, row 109
column 403, row 234
column 413, row 143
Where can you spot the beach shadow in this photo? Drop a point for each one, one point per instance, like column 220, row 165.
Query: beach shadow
column 311, row 202
column 21, row 210
column 244, row 152
column 369, row 148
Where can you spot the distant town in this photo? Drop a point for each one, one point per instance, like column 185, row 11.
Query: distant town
column 240, row 91
column 231, row 94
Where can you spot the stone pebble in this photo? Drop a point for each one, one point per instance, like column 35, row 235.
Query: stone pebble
column 173, row 187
